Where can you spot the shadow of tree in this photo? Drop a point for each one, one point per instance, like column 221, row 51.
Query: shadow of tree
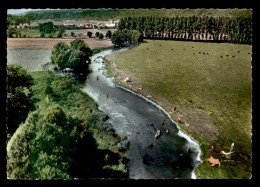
column 89, row 161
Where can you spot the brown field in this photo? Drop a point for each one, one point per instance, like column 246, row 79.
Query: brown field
column 49, row 43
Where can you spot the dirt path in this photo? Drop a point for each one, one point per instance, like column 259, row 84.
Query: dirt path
column 193, row 120
column 49, row 43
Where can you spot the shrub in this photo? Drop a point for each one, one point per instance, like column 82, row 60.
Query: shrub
column 42, row 35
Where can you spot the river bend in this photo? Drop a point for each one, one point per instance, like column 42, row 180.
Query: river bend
column 138, row 119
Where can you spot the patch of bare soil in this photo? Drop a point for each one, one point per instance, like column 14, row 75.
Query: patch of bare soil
column 192, row 119
column 49, row 43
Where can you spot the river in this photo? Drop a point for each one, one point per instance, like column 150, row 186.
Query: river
column 133, row 116
column 138, row 119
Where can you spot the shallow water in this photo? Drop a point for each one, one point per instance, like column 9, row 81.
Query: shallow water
column 32, row 60
column 163, row 158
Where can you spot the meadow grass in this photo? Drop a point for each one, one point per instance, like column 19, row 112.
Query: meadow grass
column 108, row 71
column 35, row 33
column 214, row 78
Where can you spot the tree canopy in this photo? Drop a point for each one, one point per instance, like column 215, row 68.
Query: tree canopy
column 234, row 29
column 19, row 83
column 61, row 54
column 47, row 27
column 109, row 34
column 45, row 145
column 121, row 37
column 74, row 56
column 61, row 139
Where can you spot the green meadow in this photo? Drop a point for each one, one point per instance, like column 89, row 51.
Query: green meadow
column 214, row 78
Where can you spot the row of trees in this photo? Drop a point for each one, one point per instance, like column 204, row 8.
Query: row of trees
column 20, row 19
column 121, row 37
column 74, row 56
column 234, row 29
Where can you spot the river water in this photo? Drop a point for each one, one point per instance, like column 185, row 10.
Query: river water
column 132, row 115
column 32, row 60
column 138, row 119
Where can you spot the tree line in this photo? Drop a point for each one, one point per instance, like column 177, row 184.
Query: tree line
column 233, row 29
column 20, row 19
column 106, row 14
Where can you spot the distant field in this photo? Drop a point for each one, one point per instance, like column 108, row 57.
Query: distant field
column 49, row 43
column 214, row 78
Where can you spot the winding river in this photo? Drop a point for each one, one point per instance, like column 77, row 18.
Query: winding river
column 134, row 116
column 172, row 155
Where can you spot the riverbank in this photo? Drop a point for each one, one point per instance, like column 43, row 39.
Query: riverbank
column 211, row 108
column 49, row 43
column 139, row 119
column 200, row 122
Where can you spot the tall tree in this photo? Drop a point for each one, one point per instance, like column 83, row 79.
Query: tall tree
column 109, row 34
column 19, row 92
column 47, row 27
column 60, row 55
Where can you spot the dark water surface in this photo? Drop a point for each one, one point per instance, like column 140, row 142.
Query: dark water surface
column 163, row 158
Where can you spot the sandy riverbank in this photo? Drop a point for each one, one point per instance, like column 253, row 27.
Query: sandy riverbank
column 49, row 43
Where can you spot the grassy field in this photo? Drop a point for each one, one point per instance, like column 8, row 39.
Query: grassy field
column 35, row 33
column 214, row 78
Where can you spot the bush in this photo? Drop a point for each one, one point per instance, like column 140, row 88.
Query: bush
column 97, row 34
column 89, row 34
column 101, row 36
column 61, row 32
column 42, row 35
column 48, row 90
column 109, row 34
